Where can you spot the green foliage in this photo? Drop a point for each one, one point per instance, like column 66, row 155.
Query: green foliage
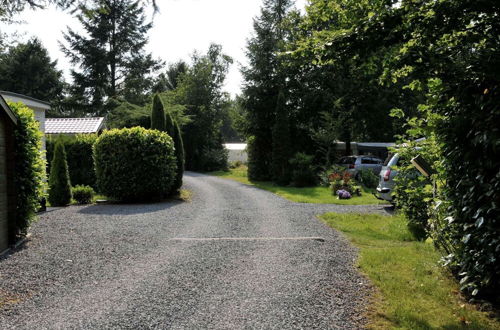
column 158, row 120
column 413, row 291
column 258, row 160
column 123, row 114
column 29, row 170
column 343, row 181
column 281, row 143
column 27, row 69
column 111, row 64
column 303, row 171
column 59, row 185
column 78, row 156
column 263, row 80
column 367, row 178
column 83, row 194
column 179, row 156
column 135, row 164
column 200, row 90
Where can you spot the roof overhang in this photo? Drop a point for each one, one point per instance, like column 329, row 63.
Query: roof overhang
column 5, row 108
column 29, row 101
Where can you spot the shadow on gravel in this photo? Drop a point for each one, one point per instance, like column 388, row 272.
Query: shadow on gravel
column 128, row 209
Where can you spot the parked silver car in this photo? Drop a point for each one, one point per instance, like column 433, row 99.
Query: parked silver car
column 387, row 174
column 354, row 164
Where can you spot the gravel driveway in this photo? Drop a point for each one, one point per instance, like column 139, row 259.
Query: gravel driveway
column 235, row 257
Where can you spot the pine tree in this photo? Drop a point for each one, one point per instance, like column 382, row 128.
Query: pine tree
column 169, row 124
column 110, row 54
column 27, row 69
column 281, row 143
column 59, row 184
column 263, row 80
column 158, row 120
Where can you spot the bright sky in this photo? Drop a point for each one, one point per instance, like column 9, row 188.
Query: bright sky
column 181, row 27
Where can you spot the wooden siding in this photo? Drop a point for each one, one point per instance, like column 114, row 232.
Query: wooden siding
column 4, row 224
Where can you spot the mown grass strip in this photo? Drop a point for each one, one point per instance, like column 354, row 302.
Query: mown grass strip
column 315, row 195
column 414, row 292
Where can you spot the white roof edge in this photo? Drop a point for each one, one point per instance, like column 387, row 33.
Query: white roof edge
column 27, row 100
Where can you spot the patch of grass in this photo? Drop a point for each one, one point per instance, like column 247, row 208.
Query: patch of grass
column 414, row 291
column 318, row 195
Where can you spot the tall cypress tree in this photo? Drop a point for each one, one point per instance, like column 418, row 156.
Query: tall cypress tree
column 110, row 54
column 263, row 79
column 59, row 184
column 158, row 120
column 179, row 154
column 281, row 143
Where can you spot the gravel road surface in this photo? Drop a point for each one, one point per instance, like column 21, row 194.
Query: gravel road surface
column 236, row 257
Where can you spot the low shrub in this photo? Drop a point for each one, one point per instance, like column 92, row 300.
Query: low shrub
column 59, row 184
column 324, row 176
column 29, row 172
column 236, row 164
column 214, row 159
column 367, row 178
column 135, row 164
column 83, row 194
column 344, row 181
column 303, row 171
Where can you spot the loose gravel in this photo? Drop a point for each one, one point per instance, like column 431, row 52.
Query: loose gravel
column 143, row 266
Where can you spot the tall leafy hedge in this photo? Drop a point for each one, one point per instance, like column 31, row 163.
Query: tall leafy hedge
column 78, row 156
column 29, row 170
column 135, row 163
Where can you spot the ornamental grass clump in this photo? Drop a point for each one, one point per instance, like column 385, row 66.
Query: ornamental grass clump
column 135, row 164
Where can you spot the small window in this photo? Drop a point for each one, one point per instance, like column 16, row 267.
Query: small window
column 366, row 161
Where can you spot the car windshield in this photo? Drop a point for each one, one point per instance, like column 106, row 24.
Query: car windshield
column 347, row 160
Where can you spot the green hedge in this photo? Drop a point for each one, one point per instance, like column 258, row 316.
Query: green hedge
column 78, row 156
column 29, row 169
column 135, row 164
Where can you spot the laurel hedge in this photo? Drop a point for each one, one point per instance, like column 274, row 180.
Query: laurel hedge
column 135, row 164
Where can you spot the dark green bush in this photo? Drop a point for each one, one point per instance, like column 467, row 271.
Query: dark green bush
column 259, row 160
column 215, row 159
column 83, row 194
column 367, row 178
column 59, row 184
column 29, row 170
column 78, row 156
column 281, row 144
column 303, row 172
column 179, row 155
column 135, row 164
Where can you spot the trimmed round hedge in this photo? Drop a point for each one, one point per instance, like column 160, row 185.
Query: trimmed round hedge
column 135, row 164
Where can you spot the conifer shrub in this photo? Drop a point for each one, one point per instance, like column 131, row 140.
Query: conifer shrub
column 83, row 194
column 158, row 114
column 78, row 156
column 179, row 155
column 59, row 184
column 135, row 164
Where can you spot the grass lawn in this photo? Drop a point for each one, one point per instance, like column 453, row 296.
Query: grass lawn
column 414, row 292
column 321, row 195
